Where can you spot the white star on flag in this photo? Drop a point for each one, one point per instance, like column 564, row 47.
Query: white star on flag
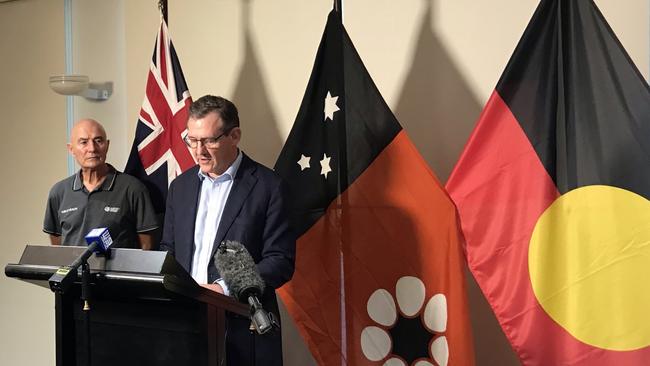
column 330, row 106
column 325, row 165
column 303, row 162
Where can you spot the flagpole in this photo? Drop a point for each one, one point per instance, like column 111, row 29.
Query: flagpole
column 343, row 202
column 162, row 5
column 338, row 6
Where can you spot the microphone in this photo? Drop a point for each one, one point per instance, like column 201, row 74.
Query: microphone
column 99, row 241
column 238, row 270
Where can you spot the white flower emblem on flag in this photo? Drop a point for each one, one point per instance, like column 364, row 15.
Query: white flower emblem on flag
column 378, row 344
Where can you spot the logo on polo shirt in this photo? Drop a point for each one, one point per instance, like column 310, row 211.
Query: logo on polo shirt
column 71, row 209
column 111, row 209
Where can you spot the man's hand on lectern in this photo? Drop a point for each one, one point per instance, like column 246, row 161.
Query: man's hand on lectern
column 213, row 287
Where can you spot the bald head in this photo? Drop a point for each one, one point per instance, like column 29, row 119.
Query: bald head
column 83, row 126
column 88, row 144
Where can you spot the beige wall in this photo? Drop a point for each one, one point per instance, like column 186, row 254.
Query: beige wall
column 99, row 51
column 32, row 156
column 435, row 62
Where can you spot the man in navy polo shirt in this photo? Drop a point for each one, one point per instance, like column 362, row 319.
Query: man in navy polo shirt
column 98, row 196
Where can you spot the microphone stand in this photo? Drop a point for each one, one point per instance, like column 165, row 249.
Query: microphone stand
column 65, row 276
column 85, row 297
column 85, row 285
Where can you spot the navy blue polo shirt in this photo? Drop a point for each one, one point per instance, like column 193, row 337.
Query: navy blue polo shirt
column 121, row 203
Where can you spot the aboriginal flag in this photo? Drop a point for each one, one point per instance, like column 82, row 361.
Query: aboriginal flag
column 552, row 190
column 379, row 270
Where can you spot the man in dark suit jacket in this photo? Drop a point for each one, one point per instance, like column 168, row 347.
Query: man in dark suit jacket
column 228, row 196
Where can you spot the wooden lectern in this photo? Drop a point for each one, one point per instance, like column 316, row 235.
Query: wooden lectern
column 144, row 309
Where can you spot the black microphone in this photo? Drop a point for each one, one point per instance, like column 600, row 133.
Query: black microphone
column 238, row 270
column 99, row 241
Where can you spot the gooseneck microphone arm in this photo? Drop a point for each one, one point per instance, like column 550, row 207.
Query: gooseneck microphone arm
column 85, row 255
column 65, row 276
column 99, row 240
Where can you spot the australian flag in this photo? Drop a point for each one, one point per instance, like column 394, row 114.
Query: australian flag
column 158, row 153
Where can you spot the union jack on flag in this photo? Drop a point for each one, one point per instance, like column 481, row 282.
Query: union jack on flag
column 158, row 153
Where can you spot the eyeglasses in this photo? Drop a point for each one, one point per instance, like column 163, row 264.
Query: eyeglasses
column 208, row 142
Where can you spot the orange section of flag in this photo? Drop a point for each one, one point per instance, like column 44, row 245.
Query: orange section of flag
column 402, row 223
column 394, row 222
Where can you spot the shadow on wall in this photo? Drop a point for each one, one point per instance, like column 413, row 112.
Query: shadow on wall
column 436, row 105
column 439, row 111
column 262, row 140
column 260, row 135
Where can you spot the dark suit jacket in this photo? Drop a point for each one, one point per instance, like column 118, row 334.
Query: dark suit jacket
column 255, row 214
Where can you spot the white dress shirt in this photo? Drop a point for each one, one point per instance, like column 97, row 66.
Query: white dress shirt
column 212, row 200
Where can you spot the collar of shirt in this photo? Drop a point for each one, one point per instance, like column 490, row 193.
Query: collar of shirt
column 230, row 173
column 107, row 184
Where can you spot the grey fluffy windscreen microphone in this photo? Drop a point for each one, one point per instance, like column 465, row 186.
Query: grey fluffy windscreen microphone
column 238, row 270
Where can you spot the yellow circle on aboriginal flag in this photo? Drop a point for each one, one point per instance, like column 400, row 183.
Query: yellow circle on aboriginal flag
column 589, row 263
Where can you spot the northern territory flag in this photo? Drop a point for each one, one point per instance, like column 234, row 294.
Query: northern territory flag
column 379, row 270
column 158, row 153
column 552, row 191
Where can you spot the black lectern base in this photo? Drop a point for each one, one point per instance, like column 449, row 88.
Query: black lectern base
column 149, row 332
